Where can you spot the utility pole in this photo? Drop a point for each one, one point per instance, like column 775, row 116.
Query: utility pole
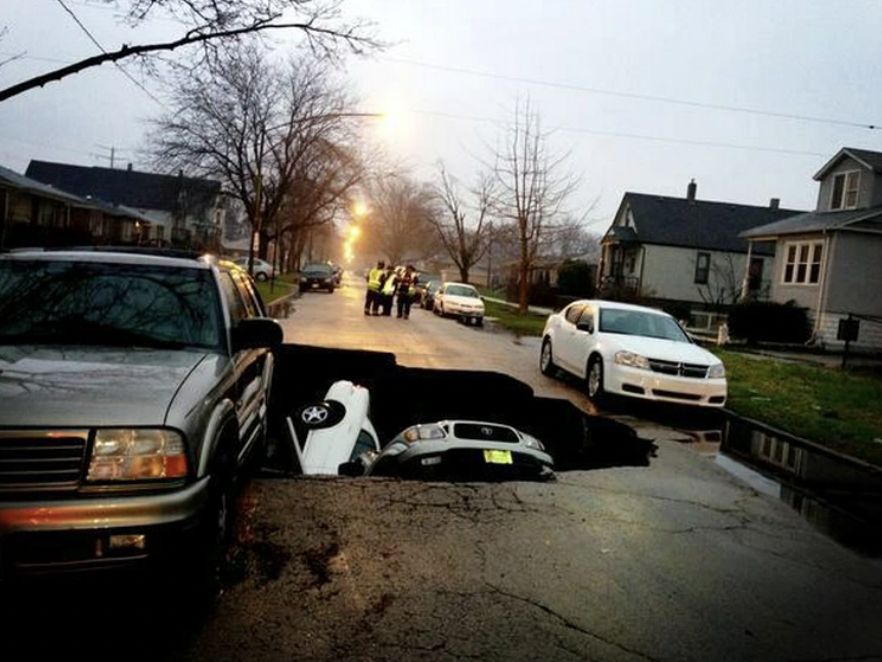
column 112, row 157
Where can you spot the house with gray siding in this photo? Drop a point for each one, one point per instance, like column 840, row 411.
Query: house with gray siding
column 685, row 254
column 829, row 261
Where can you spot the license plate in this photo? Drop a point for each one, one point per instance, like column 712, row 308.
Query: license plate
column 497, row 457
column 314, row 285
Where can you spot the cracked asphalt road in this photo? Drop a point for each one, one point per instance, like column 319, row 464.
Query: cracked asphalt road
column 620, row 564
column 678, row 561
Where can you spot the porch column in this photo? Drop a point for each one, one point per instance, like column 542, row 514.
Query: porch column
column 745, row 283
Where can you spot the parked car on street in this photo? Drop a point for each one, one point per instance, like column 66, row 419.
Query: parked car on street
column 338, row 274
column 333, row 431
column 427, row 294
column 262, row 270
column 459, row 300
column 317, row 276
column 134, row 393
column 631, row 351
column 457, row 450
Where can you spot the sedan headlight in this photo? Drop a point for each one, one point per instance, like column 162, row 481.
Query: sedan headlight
column 632, row 360
column 716, row 371
column 137, row 454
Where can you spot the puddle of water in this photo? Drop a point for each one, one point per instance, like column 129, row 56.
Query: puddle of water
column 839, row 496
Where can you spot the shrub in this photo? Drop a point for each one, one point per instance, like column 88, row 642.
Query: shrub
column 576, row 278
column 758, row 321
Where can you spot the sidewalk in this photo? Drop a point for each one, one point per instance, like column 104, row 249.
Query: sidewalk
column 533, row 309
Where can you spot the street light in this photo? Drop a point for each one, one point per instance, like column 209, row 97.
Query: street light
column 258, row 183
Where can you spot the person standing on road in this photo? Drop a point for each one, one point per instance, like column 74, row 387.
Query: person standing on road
column 375, row 282
column 388, row 290
column 406, row 290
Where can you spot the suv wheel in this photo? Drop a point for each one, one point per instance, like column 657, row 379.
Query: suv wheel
column 319, row 415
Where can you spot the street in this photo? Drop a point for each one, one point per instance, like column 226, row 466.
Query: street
column 675, row 561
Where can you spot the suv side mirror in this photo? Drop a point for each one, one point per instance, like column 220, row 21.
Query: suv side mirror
column 256, row 332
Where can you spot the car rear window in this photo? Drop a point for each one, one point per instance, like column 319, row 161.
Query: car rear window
column 98, row 303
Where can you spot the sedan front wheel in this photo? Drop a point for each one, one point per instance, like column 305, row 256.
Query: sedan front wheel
column 595, row 379
column 546, row 359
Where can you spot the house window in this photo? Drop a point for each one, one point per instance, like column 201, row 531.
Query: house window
column 845, row 190
column 702, row 268
column 803, row 263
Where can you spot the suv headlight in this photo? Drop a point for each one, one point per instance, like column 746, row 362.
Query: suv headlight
column 532, row 442
column 137, row 454
column 716, row 371
column 418, row 432
column 632, row 360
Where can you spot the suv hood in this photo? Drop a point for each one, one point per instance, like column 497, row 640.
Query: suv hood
column 80, row 386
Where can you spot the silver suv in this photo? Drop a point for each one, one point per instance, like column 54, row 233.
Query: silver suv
column 133, row 390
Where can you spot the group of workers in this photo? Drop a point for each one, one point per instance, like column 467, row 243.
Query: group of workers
column 384, row 283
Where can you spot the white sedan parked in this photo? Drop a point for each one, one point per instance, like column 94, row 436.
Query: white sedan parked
column 633, row 351
column 459, row 300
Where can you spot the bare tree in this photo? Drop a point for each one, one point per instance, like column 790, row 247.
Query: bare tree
column 466, row 242
column 275, row 136
column 211, row 24
column 723, row 286
column 401, row 220
column 531, row 188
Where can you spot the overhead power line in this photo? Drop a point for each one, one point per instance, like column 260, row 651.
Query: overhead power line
column 101, row 48
column 632, row 95
column 634, row 136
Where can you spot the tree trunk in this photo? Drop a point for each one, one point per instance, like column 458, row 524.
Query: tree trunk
column 523, row 288
column 463, row 275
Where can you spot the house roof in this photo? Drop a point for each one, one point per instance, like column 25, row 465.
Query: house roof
column 142, row 190
column 15, row 180
column 870, row 160
column 694, row 223
column 827, row 221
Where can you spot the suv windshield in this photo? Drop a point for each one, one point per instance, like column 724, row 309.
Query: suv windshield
column 64, row 302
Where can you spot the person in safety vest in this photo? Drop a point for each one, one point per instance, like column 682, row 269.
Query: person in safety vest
column 405, row 291
column 388, row 290
column 375, row 282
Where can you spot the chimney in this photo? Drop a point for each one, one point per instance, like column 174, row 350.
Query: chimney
column 690, row 191
column 774, row 203
column 129, row 168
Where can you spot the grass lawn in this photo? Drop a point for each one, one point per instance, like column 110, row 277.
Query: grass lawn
column 530, row 324
column 280, row 287
column 837, row 409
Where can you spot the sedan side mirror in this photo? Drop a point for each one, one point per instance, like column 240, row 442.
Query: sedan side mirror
column 585, row 326
column 256, row 332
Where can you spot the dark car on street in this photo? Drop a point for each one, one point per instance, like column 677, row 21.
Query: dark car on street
column 427, row 295
column 318, row 276
column 134, row 391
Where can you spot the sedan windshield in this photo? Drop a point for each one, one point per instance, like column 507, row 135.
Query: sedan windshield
column 463, row 291
column 639, row 323
column 59, row 302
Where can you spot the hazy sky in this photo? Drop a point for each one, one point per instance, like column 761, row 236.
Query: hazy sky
column 644, row 94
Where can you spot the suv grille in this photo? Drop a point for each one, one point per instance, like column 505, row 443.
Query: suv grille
column 41, row 460
column 680, row 369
